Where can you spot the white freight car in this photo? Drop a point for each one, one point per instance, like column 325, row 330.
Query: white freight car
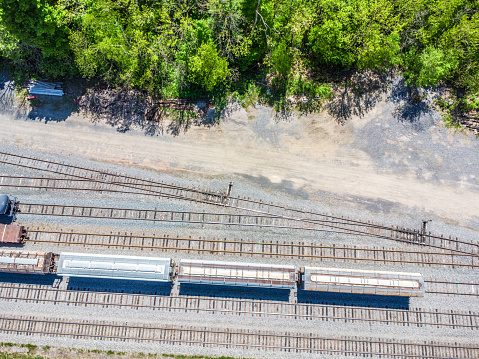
column 362, row 281
column 237, row 274
column 114, row 267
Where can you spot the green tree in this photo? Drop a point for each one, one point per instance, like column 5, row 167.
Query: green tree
column 430, row 67
column 37, row 24
column 442, row 43
column 356, row 33
column 207, row 68
column 281, row 59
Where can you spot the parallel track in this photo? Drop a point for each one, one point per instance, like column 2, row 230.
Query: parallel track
column 293, row 342
column 155, row 215
column 264, row 248
column 215, row 198
column 414, row 317
column 452, row 288
column 86, row 185
column 325, row 253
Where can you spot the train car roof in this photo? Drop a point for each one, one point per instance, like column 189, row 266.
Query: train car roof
column 27, row 262
column 3, row 203
column 114, row 266
column 363, row 281
column 360, row 271
column 237, row 274
column 237, row 264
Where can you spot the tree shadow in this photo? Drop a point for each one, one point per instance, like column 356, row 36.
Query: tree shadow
column 356, row 93
column 7, row 94
column 412, row 104
column 128, row 109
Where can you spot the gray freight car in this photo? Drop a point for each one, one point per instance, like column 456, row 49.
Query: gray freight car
column 237, row 274
column 114, row 267
column 26, row 262
column 362, row 281
column 12, row 234
column 7, row 206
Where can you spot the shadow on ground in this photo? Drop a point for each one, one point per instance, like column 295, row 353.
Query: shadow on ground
column 7, row 219
column 354, row 300
column 43, row 108
column 37, row 279
column 119, row 286
column 128, row 109
column 358, row 93
column 284, row 186
column 7, row 94
column 205, row 290
column 412, row 104
column 50, row 108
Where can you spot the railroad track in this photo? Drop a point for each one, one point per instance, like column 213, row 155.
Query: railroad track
column 415, row 317
column 235, row 338
column 452, row 288
column 75, row 184
column 156, row 189
column 107, row 177
column 155, row 215
column 264, row 248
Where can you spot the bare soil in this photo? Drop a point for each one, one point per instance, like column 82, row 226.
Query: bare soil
column 390, row 155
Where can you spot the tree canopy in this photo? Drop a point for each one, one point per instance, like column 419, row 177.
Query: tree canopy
column 182, row 48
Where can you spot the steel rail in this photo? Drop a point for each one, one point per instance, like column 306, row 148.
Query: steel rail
column 93, row 171
column 142, row 214
column 398, row 232
column 337, row 225
column 175, row 217
column 236, row 338
column 337, row 313
column 152, row 183
column 460, row 288
column 288, row 250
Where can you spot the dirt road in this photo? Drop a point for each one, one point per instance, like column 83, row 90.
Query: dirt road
column 417, row 164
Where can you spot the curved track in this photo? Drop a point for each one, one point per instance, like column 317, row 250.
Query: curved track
column 235, row 338
column 203, row 218
column 148, row 187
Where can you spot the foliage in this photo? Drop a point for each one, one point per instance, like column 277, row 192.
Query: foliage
column 430, row 67
column 36, row 26
column 213, row 48
column 443, row 44
column 207, row 68
column 304, row 86
column 281, row 59
column 250, row 96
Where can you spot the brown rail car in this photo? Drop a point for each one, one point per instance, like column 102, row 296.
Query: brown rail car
column 362, row 281
column 12, row 234
column 26, row 262
column 237, row 274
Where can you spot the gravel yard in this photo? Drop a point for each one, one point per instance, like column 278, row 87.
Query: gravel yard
column 378, row 168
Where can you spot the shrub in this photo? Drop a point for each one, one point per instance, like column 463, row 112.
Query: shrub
column 207, row 68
